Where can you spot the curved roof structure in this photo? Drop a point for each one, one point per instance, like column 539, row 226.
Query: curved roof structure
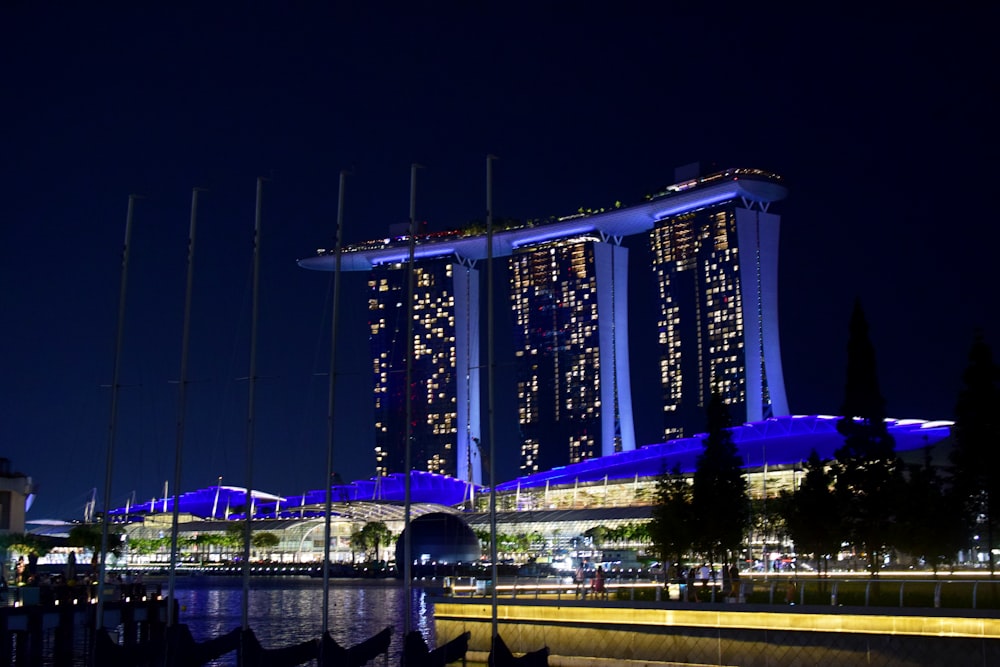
column 748, row 184
column 777, row 441
column 371, row 500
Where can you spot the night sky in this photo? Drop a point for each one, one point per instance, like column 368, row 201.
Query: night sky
column 884, row 126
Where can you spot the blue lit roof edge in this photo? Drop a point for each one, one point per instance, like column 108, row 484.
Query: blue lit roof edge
column 789, row 440
column 617, row 222
column 776, row 441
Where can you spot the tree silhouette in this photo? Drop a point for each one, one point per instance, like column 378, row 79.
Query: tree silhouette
column 976, row 455
column 868, row 472
column 810, row 513
column 930, row 517
column 88, row 536
column 720, row 502
column 671, row 526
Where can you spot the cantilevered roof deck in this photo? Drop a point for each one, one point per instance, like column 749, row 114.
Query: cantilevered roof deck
column 747, row 184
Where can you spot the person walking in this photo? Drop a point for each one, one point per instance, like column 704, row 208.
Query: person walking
column 71, row 568
column 599, row 590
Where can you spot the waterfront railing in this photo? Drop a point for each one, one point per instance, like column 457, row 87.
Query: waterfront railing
column 944, row 593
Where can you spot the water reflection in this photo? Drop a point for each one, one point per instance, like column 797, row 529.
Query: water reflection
column 284, row 610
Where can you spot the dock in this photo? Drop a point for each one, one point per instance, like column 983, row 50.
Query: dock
column 56, row 626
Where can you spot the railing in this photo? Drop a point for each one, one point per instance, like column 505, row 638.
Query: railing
column 868, row 592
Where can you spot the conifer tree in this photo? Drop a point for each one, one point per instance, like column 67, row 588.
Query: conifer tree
column 720, row 501
column 930, row 519
column 868, row 472
column 672, row 522
column 976, row 454
column 810, row 513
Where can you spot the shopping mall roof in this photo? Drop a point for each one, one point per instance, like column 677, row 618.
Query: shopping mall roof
column 774, row 442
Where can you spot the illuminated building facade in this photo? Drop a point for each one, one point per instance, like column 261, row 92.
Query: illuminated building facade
column 571, row 348
column 714, row 248
column 715, row 270
column 444, row 392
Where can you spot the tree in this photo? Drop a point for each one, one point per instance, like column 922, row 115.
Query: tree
column 370, row 539
column 599, row 535
column 144, row 546
column 89, row 536
column 810, row 513
column 930, row 525
column 975, row 456
column 483, row 536
column 265, row 541
column 720, row 501
column 671, row 526
column 235, row 536
column 205, row 542
column 868, row 473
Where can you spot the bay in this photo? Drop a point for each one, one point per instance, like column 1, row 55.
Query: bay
column 288, row 610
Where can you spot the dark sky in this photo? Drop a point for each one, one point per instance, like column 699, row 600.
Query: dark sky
column 883, row 124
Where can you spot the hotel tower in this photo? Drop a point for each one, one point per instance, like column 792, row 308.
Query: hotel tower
column 716, row 274
column 571, row 350
column 714, row 260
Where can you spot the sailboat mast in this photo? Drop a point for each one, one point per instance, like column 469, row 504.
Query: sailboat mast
column 113, row 419
column 407, row 539
column 328, row 510
column 181, row 408
column 252, row 381
column 490, row 400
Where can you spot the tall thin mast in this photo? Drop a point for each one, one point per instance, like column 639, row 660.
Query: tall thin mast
column 252, row 380
column 330, row 405
column 113, row 420
column 491, row 367
column 181, row 407
column 407, row 540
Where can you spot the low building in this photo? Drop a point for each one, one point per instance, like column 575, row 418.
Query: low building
column 17, row 492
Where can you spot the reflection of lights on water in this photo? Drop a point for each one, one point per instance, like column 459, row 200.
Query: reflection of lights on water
column 423, row 615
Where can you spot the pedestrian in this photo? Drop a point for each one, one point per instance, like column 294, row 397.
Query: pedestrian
column 689, row 585
column 599, row 591
column 671, row 574
column 734, row 580
column 71, row 568
column 790, row 591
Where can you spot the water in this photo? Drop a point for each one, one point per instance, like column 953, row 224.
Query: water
column 288, row 610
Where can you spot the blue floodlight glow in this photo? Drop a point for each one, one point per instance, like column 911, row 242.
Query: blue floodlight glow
column 421, row 252
column 779, row 441
column 222, row 502
column 702, row 202
column 776, row 441
column 639, row 218
column 556, row 232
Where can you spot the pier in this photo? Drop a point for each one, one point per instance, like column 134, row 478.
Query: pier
column 59, row 630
